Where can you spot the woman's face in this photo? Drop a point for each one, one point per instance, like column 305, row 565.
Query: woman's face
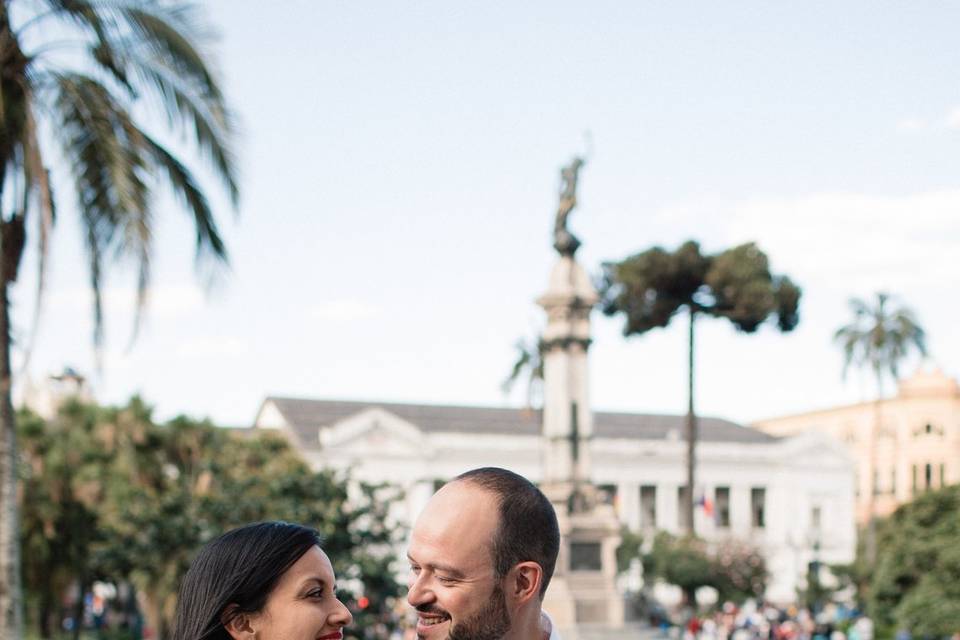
column 303, row 605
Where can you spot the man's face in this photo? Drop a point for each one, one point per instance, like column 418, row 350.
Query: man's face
column 452, row 583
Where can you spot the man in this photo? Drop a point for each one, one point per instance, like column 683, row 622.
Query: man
column 481, row 557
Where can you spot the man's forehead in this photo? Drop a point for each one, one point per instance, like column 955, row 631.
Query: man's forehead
column 458, row 518
column 463, row 499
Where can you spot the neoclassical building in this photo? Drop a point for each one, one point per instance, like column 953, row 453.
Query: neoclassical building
column 793, row 496
column 901, row 445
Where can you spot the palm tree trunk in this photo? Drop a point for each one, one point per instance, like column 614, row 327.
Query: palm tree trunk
column 12, row 240
column 11, row 614
column 691, row 431
column 870, row 546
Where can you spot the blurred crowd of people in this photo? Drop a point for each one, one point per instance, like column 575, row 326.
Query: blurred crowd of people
column 755, row 621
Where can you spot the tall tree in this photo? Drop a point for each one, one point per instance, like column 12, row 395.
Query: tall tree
column 879, row 337
column 652, row 287
column 88, row 77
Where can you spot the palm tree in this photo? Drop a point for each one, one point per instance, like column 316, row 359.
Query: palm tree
column 879, row 337
column 84, row 81
column 528, row 365
column 651, row 287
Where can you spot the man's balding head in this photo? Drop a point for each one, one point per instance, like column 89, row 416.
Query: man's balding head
column 526, row 528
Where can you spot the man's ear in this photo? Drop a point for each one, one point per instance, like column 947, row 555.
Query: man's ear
column 523, row 582
column 237, row 623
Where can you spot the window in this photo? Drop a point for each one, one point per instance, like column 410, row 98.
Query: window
column 876, row 482
column 893, row 481
column 607, row 494
column 681, row 509
column 927, row 476
column 914, row 485
column 648, row 506
column 815, row 518
column 943, row 475
column 585, row 556
column 722, row 499
column 758, row 499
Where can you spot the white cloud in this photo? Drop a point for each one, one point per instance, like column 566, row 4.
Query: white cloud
column 856, row 242
column 343, row 310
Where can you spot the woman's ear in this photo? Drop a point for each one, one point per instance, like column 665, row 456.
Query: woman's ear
column 237, row 623
column 523, row 582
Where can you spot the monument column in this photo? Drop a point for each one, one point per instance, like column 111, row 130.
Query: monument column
column 582, row 593
column 567, row 418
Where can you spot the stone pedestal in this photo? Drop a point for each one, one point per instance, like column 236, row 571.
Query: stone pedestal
column 583, row 592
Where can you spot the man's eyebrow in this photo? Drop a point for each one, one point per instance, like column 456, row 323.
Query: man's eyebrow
column 443, row 568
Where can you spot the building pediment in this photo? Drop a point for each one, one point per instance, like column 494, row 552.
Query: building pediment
column 374, row 430
column 270, row 417
column 814, row 449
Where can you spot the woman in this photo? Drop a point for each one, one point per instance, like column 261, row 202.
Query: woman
column 265, row 581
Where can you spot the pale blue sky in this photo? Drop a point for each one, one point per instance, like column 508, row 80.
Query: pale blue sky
column 400, row 166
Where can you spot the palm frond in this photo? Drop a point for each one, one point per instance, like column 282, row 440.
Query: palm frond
column 206, row 119
column 38, row 181
column 879, row 337
column 172, row 34
column 185, row 186
column 156, row 47
column 529, row 364
column 105, row 150
column 523, row 360
column 137, row 49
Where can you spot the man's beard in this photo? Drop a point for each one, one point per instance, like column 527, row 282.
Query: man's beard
column 490, row 623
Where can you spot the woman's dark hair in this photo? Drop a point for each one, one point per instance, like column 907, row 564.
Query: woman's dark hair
column 237, row 571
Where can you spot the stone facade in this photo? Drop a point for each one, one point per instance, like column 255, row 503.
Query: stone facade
column 791, row 496
column 901, row 445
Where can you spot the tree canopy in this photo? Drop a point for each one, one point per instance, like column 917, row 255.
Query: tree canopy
column 111, row 495
column 651, row 287
column 916, row 577
column 735, row 569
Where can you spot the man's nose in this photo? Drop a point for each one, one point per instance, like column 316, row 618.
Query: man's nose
column 417, row 591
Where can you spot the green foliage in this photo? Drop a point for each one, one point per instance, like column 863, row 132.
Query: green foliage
column 857, row 574
column 879, row 337
column 681, row 561
column 109, row 494
column 735, row 569
column 131, row 61
column 740, row 570
column 649, row 288
column 629, row 549
column 916, row 581
column 84, row 81
column 528, row 365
